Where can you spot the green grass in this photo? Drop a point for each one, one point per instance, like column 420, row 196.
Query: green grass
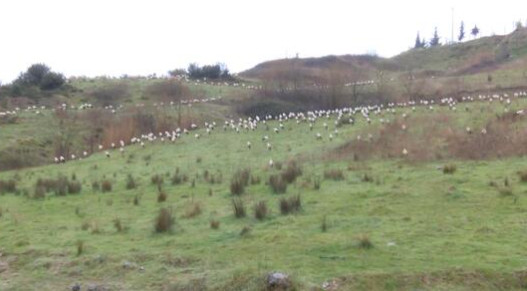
column 439, row 223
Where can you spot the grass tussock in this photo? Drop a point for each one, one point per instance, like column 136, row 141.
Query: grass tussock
column 161, row 196
column 80, row 247
column 130, row 182
column 164, row 221
column 449, row 169
column 214, row 224
column 363, row 242
column 106, row 186
column 523, row 176
column 260, row 210
column 118, row 225
column 238, row 208
column 290, row 205
column 9, row 186
column 334, row 174
column 192, row 210
column 239, row 181
column 291, row 172
column 157, row 179
column 277, row 184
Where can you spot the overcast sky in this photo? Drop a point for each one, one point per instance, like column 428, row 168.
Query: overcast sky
column 114, row 37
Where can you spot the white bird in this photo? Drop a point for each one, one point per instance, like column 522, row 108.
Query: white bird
column 249, row 145
column 269, row 146
column 405, row 151
column 271, row 163
column 107, row 153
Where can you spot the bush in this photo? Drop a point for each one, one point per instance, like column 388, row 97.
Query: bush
column 260, row 210
column 334, row 174
column 291, row 172
column 238, row 207
column 291, row 205
column 106, row 186
column 449, row 169
column 130, row 182
column 164, row 220
column 277, row 184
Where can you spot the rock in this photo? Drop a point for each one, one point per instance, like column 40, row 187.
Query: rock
column 76, row 287
column 128, row 265
column 278, row 281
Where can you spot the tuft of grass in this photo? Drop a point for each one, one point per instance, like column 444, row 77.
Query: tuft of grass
column 255, row 180
column 74, row 187
column 106, row 186
column 85, row 225
column 136, row 201
column 157, row 179
column 9, row 186
column 164, row 221
column 277, row 184
column 449, row 169
column 130, row 182
column 80, row 247
column 316, row 184
column 118, row 225
column 364, row 242
column 214, row 224
column 95, row 186
column 334, row 174
column 324, row 225
column 161, row 196
column 367, row 178
column 239, row 181
column 238, row 207
column 523, row 176
column 505, row 191
column 290, row 205
column 260, row 210
column 291, row 172
column 245, row 231
column 40, row 192
column 193, row 210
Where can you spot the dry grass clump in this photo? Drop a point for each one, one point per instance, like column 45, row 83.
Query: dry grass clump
column 238, row 207
column 239, row 181
column 277, row 184
column 214, row 224
column 364, row 242
column 291, row 172
column 260, row 210
column 449, row 169
column 130, row 182
column 106, row 186
column 334, row 174
column 164, row 221
column 192, row 210
column 290, row 205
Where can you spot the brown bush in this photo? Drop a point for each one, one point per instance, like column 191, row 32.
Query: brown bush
column 157, row 179
column 164, row 220
column 74, row 187
column 239, row 181
column 214, row 224
column 290, row 205
column 161, row 196
column 449, row 169
column 291, row 172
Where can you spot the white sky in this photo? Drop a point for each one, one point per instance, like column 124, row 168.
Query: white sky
column 115, row 37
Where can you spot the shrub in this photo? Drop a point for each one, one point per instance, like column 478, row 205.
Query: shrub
column 74, row 187
column 364, row 242
column 214, row 224
column 130, row 182
column 334, row 174
column 449, row 169
column 277, row 184
column 238, row 207
column 164, row 220
column 260, row 210
column 290, row 205
column 193, row 210
column 106, row 186
column 291, row 172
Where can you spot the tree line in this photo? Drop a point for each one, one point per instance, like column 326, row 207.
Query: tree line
column 436, row 40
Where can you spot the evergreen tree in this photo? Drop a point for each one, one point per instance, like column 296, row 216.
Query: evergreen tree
column 435, row 39
column 461, row 32
column 475, row 31
column 418, row 43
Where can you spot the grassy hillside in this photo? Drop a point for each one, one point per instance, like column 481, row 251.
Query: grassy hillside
column 370, row 218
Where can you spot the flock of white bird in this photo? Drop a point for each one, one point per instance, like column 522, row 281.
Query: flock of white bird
column 276, row 124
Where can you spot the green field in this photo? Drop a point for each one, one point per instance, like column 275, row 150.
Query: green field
column 428, row 229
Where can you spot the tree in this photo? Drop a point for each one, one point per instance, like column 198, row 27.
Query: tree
column 475, row 31
column 418, row 43
column 435, row 39
column 461, row 32
column 519, row 25
column 34, row 74
column 52, row 80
